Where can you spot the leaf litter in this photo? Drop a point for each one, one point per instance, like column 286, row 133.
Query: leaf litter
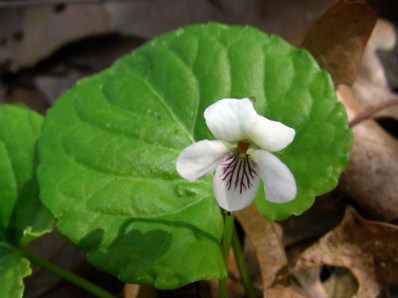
column 367, row 248
column 359, row 252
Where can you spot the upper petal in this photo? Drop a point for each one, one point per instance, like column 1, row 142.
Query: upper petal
column 231, row 119
column 200, row 158
column 279, row 183
column 271, row 135
column 236, row 182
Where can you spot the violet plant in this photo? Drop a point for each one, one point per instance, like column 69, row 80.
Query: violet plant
column 115, row 149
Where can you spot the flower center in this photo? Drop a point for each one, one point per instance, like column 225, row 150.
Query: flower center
column 239, row 170
column 243, row 147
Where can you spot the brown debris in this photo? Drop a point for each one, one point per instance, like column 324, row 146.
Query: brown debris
column 367, row 248
column 338, row 39
column 370, row 178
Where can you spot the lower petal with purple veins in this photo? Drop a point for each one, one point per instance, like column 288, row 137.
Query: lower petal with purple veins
column 236, row 181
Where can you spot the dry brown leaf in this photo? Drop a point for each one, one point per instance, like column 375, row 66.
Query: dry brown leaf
column 371, row 178
column 152, row 17
column 367, row 248
column 371, row 87
column 288, row 18
column 266, row 240
column 44, row 30
column 145, row 19
column 282, row 292
column 382, row 38
column 139, row 291
column 338, row 39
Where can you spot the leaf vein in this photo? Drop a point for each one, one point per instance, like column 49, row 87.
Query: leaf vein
column 189, row 69
column 168, row 109
column 119, row 133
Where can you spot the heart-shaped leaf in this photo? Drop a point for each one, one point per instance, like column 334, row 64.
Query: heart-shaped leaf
column 22, row 216
column 109, row 147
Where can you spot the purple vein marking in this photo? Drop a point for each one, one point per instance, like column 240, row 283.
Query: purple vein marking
column 238, row 172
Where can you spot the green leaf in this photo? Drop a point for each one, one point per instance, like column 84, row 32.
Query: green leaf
column 112, row 185
column 22, row 216
column 13, row 269
column 109, row 147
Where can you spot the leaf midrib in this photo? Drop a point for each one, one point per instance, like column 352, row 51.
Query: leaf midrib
column 169, row 110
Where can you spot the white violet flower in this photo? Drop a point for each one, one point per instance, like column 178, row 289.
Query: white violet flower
column 241, row 155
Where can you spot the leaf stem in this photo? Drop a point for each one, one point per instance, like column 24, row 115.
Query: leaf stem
column 67, row 275
column 8, row 246
column 242, row 266
column 226, row 246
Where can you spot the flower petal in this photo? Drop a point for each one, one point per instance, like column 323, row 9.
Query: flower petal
column 271, row 135
column 279, row 183
column 236, row 182
column 200, row 158
column 231, row 119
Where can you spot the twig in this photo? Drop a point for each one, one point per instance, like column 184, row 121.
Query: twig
column 371, row 111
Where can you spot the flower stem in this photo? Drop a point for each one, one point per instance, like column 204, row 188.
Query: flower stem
column 226, row 246
column 67, row 275
column 242, row 266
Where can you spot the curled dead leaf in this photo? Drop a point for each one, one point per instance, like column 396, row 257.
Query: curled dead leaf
column 371, row 87
column 367, row 248
column 370, row 178
column 338, row 39
column 266, row 240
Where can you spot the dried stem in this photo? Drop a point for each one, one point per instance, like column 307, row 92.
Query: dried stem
column 371, row 111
